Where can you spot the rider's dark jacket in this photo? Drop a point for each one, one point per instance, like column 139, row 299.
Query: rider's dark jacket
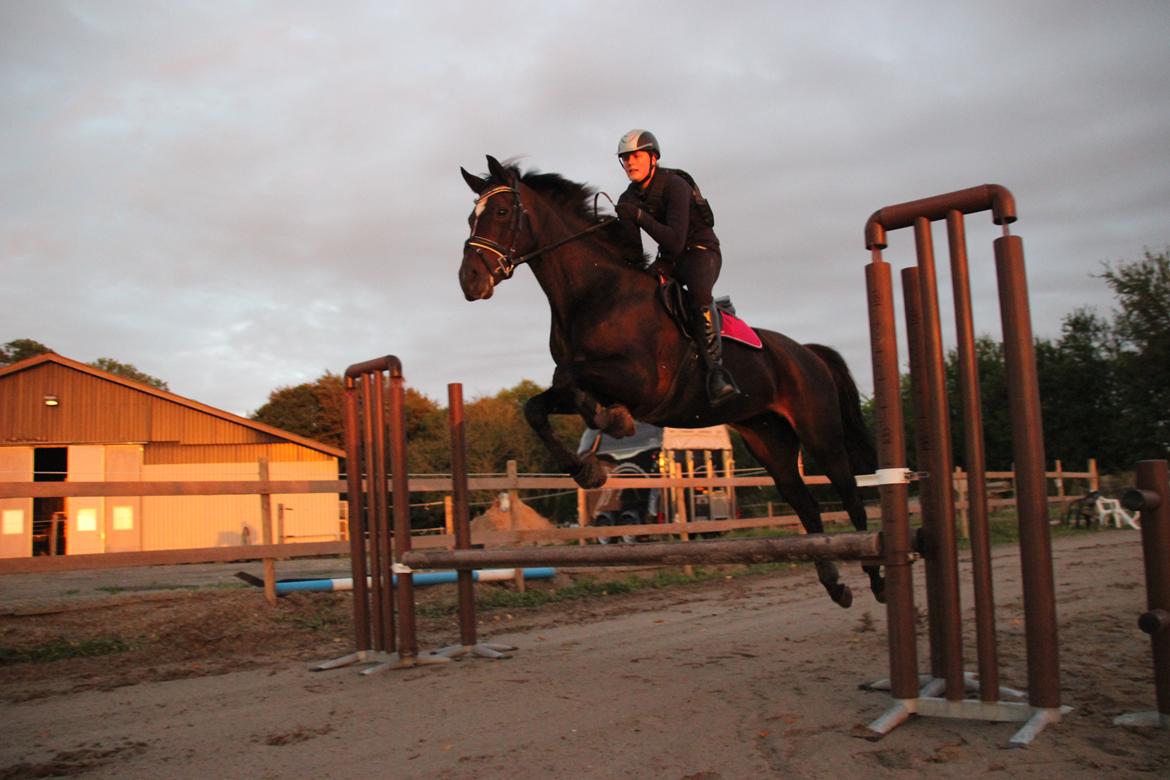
column 669, row 215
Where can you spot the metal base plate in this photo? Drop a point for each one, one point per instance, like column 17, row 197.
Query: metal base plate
column 928, row 704
column 1154, row 720
column 381, row 661
column 480, row 650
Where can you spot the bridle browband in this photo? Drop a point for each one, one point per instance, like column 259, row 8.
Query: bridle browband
column 504, row 257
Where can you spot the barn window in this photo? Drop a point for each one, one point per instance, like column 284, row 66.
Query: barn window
column 12, row 523
column 123, row 518
column 87, row 519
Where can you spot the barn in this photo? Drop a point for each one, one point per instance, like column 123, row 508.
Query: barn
column 62, row 420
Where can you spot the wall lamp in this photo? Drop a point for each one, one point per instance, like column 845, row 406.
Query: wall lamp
column 51, row 400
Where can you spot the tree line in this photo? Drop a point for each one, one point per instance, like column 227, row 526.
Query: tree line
column 1104, row 382
column 22, row 349
column 1104, row 388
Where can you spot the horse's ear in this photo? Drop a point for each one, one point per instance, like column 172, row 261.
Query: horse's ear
column 497, row 171
column 477, row 184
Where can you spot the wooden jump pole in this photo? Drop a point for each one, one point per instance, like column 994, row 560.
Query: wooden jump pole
column 810, row 547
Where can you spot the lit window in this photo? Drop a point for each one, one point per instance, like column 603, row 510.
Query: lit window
column 12, row 523
column 87, row 519
column 123, row 518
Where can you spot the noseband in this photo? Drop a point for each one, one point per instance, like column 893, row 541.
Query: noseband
column 503, row 262
column 504, row 257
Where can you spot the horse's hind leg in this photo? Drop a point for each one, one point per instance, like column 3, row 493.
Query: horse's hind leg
column 835, row 461
column 773, row 442
column 841, row 476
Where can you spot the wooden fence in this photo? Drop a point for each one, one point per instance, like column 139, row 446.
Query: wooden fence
column 1000, row 488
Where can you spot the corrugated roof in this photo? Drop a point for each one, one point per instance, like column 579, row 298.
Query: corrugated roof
column 53, row 357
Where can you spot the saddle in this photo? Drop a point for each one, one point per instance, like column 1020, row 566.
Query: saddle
column 676, row 302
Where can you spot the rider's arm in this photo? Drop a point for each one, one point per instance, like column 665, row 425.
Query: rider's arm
column 632, row 234
column 671, row 236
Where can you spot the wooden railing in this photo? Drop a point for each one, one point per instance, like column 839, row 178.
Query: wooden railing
column 512, row 482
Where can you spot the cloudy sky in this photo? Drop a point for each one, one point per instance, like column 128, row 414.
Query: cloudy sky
column 237, row 196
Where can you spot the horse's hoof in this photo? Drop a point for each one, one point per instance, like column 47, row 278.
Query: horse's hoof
column 591, row 473
column 842, row 595
column 877, row 583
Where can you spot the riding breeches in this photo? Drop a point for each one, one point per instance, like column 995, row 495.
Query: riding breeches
column 697, row 268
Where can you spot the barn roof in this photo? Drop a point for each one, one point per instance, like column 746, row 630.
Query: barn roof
column 52, row 357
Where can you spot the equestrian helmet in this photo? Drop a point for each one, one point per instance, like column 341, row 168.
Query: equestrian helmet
column 637, row 140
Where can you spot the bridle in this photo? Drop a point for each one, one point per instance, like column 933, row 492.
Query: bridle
column 503, row 261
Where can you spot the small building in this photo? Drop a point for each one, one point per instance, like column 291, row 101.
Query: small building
column 61, row 420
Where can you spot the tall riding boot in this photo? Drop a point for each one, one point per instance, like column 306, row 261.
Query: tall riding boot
column 720, row 386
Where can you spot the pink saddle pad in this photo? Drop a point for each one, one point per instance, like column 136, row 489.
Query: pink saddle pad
column 737, row 330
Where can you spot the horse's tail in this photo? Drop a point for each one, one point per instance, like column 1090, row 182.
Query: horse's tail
column 858, row 442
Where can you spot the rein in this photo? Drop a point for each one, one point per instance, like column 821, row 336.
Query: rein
column 505, row 257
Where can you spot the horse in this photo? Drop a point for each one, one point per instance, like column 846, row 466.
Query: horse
column 619, row 355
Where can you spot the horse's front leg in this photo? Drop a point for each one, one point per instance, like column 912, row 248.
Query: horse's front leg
column 588, row 472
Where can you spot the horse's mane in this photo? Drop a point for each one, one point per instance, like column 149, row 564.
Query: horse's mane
column 578, row 200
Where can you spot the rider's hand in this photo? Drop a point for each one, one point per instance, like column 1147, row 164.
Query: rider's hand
column 628, row 212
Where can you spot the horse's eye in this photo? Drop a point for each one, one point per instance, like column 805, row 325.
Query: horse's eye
column 501, row 212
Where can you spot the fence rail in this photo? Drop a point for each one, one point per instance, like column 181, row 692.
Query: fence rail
column 517, row 482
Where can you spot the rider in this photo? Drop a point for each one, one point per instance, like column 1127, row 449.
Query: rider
column 663, row 203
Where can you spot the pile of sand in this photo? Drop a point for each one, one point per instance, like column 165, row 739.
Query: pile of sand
column 498, row 519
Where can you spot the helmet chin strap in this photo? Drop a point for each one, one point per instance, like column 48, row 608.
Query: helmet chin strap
column 653, row 169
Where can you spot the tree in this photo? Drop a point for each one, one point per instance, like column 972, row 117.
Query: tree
column 128, row 371
column 1078, row 392
column 310, row 409
column 21, row 349
column 1142, row 328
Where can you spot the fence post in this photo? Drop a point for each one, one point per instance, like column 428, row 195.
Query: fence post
column 1094, row 477
column 1060, row 485
column 266, row 532
column 582, row 513
column 729, row 472
column 682, row 515
column 513, row 525
column 963, row 501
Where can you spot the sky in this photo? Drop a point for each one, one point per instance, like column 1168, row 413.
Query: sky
column 240, row 196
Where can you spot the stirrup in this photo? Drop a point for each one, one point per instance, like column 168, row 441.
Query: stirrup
column 727, row 390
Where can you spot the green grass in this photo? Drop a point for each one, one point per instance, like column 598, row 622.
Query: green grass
column 116, row 589
column 321, row 619
column 61, row 649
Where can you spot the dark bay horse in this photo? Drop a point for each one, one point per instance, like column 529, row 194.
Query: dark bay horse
column 620, row 356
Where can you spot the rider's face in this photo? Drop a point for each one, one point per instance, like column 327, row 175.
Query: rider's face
column 637, row 165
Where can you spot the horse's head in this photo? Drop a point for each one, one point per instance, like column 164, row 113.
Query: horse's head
column 499, row 231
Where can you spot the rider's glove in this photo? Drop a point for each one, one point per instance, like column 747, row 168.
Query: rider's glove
column 628, row 212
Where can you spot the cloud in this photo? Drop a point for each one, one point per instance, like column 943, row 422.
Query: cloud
column 237, row 197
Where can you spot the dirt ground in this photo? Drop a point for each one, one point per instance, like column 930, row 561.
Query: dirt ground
column 753, row 676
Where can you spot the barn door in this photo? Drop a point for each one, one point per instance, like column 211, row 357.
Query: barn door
column 123, row 524
column 16, row 465
column 86, row 515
